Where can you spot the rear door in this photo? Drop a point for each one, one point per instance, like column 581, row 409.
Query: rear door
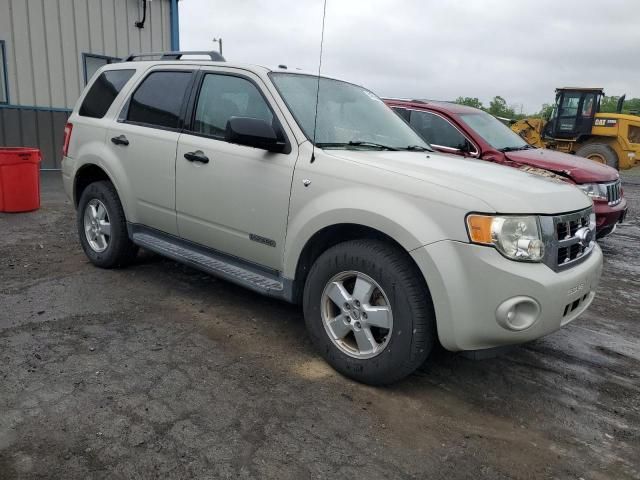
column 145, row 137
column 237, row 202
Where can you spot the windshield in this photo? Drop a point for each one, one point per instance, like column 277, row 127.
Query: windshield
column 494, row 132
column 348, row 116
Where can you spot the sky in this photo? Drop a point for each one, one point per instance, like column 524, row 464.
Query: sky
column 518, row 49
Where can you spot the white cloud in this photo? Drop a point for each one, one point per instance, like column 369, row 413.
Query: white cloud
column 520, row 50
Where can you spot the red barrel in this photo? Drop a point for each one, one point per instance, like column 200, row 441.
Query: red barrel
column 19, row 179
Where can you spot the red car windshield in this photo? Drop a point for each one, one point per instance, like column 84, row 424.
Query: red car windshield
column 494, row 132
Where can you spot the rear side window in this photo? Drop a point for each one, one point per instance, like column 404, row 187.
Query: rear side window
column 103, row 92
column 158, row 99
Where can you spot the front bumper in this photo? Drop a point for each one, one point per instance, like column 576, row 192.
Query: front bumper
column 469, row 282
column 607, row 217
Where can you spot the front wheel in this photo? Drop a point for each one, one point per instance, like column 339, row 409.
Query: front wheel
column 369, row 312
column 599, row 152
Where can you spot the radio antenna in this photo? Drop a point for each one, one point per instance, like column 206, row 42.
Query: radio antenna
column 315, row 120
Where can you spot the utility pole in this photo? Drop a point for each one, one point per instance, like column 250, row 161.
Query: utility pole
column 219, row 42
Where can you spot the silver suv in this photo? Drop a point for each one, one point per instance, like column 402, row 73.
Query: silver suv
column 389, row 246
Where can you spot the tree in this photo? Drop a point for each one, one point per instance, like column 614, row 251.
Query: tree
column 470, row 102
column 498, row 107
column 608, row 104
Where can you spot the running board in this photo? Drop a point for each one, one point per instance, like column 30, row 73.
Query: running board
column 212, row 262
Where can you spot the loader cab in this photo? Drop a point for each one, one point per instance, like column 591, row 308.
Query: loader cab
column 573, row 113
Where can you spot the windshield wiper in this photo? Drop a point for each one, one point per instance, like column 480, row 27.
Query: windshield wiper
column 356, row 143
column 418, row 148
column 514, row 149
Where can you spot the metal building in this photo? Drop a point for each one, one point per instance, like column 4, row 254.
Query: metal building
column 49, row 49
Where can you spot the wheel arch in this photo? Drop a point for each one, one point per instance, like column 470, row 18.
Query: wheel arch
column 85, row 176
column 330, row 235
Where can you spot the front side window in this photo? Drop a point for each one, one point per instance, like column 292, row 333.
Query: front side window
column 493, row 131
column 348, row 115
column 437, row 131
column 4, row 88
column 93, row 63
column 225, row 96
column 103, row 92
column 159, row 98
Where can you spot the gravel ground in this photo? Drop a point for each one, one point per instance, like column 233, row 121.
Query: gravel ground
column 159, row 371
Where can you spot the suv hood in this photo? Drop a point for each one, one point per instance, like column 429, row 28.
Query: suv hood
column 579, row 169
column 506, row 190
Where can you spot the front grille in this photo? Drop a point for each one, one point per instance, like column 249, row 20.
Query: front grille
column 614, row 193
column 567, row 229
column 570, row 238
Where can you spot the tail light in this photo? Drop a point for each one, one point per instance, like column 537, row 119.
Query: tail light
column 67, row 137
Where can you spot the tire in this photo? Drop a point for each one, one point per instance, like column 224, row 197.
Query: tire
column 400, row 349
column 115, row 249
column 599, row 152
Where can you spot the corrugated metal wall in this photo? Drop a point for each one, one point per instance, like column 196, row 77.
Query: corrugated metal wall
column 45, row 40
column 34, row 128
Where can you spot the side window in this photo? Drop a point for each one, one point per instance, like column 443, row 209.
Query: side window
column 225, row 96
column 92, row 63
column 437, row 131
column 588, row 105
column 159, row 98
column 402, row 112
column 103, row 92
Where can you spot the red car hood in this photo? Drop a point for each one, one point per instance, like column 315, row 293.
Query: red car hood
column 581, row 170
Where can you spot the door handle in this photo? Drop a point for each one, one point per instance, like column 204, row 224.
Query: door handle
column 197, row 156
column 120, row 140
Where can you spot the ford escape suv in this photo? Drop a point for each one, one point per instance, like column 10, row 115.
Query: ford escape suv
column 388, row 246
column 468, row 131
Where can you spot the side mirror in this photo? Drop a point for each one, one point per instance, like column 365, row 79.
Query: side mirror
column 468, row 149
column 253, row 132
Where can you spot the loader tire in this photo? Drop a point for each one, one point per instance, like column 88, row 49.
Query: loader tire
column 599, row 152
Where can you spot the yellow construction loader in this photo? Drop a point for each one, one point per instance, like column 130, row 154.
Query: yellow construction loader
column 577, row 126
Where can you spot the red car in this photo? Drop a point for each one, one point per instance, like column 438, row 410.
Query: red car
column 470, row 132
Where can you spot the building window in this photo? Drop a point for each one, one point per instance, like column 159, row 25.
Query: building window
column 92, row 63
column 4, row 83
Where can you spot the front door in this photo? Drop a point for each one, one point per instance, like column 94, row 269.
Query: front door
column 233, row 198
column 144, row 139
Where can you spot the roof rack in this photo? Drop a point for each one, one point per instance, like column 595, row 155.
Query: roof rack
column 213, row 55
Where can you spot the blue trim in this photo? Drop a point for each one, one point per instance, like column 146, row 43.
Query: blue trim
column 175, row 25
column 3, row 52
column 95, row 55
column 31, row 107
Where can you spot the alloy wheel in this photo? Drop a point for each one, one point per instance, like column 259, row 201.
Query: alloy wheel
column 356, row 314
column 97, row 226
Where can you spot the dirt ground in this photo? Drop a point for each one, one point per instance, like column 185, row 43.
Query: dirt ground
column 160, row 371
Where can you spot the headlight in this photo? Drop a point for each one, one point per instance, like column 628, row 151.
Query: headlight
column 594, row 190
column 517, row 238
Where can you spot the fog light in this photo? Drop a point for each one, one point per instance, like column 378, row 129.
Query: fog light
column 517, row 313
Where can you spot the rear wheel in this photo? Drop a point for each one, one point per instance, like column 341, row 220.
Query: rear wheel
column 102, row 227
column 368, row 311
column 599, row 152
